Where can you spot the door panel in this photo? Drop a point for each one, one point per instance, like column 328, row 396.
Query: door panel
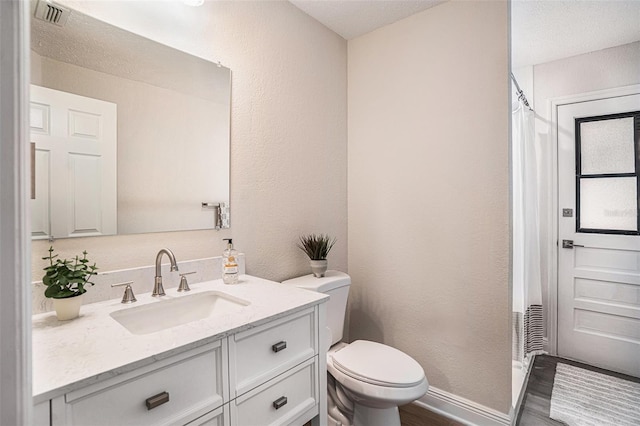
column 599, row 278
column 84, row 199
column 76, row 148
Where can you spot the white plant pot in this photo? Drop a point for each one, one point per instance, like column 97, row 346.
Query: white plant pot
column 69, row 308
column 318, row 267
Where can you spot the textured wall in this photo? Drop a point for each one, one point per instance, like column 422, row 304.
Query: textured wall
column 288, row 132
column 429, row 195
column 603, row 69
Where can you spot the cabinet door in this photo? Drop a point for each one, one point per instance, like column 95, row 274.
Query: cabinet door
column 173, row 391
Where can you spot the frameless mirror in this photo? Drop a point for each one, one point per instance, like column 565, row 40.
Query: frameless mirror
column 131, row 136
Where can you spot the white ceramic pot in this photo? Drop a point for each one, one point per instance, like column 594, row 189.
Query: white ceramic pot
column 69, row 308
column 318, row 267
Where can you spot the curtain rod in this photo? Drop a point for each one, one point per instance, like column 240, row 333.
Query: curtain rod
column 521, row 96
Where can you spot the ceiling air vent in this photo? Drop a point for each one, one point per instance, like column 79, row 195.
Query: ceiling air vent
column 52, row 12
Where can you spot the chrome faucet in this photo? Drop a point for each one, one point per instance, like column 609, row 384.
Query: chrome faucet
column 158, row 290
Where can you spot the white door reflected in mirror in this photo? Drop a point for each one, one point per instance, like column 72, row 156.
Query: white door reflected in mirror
column 75, row 165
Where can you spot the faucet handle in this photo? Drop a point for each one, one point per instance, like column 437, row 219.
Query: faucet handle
column 184, row 285
column 128, row 296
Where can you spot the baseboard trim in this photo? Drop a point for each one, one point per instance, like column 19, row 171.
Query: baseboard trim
column 461, row 409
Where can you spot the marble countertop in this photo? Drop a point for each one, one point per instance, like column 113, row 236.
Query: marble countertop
column 68, row 355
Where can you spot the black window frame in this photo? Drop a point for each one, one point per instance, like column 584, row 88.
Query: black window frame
column 636, row 174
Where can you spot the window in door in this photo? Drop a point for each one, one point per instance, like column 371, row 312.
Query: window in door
column 607, row 174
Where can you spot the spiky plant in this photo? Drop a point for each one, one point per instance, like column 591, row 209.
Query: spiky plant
column 317, row 247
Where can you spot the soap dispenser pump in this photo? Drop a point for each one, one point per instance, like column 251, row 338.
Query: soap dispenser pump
column 230, row 263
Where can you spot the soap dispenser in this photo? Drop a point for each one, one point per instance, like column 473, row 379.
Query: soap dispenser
column 230, row 263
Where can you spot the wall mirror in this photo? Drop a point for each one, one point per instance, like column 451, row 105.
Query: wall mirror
column 131, row 136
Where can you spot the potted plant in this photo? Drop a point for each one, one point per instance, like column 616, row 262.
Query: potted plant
column 66, row 281
column 317, row 247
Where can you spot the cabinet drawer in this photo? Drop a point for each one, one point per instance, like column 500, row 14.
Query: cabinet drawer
column 128, row 399
column 261, row 353
column 217, row 417
column 294, row 393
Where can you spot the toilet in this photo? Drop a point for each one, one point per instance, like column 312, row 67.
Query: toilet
column 367, row 381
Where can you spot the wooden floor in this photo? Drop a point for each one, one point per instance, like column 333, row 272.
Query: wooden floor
column 413, row 415
column 534, row 410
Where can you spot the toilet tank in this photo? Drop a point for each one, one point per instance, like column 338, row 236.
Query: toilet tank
column 336, row 285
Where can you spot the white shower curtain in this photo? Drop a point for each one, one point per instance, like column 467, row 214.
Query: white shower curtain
column 527, row 287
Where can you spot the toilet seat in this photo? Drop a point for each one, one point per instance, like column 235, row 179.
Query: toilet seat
column 378, row 364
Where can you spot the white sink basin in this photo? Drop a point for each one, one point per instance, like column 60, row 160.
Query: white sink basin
column 168, row 313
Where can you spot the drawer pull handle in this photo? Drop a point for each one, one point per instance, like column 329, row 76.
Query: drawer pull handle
column 157, row 400
column 280, row 402
column 279, row 346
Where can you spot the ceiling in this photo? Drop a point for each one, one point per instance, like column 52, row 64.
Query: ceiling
column 89, row 43
column 353, row 18
column 542, row 30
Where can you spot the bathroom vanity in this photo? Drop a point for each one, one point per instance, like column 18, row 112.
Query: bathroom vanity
column 255, row 357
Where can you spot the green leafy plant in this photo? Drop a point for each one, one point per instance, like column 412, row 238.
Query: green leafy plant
column 317, row 247
column 67, row 278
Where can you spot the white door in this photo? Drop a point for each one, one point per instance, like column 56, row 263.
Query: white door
column 599, row 278
column 75, row 165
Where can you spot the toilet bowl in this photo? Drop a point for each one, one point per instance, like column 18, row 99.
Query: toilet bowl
column 376, row 378
column 367, row 380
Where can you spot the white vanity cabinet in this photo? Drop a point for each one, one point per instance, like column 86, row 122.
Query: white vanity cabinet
column 270, row 374
column 274, row 371
column 177, row 390
column 41, row 414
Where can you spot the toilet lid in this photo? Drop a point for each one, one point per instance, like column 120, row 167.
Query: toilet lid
column 378, row 364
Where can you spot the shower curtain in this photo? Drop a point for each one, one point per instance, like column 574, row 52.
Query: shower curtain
column 527, row 286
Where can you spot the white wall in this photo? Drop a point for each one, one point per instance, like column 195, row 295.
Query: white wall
column 603, row 69
column 429, row 195
column 288, row 133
